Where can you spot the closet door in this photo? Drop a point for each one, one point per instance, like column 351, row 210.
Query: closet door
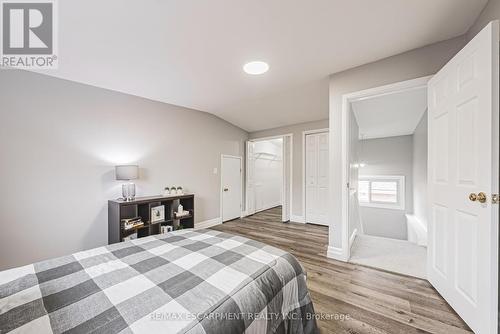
column 316, row 149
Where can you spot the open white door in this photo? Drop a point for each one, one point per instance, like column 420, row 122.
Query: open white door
column 250, row 184
column 463, row 160
column 287, row 172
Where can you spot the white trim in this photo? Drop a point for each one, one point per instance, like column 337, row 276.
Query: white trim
column 353, row 236
column 336, row 254
column 398, row 87
column 267, row 207
column 208, row 223
column 244, row 214
column 271, row 137
column 304, row 134
column 222, row 156
column 247, row 171
column 297, row 219
column 347, row 99
column 315, row 131
column 290, row 179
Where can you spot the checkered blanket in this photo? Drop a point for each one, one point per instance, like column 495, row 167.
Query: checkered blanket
column 189, row 281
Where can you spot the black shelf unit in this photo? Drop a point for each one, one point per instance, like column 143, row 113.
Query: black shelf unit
column 141, row 207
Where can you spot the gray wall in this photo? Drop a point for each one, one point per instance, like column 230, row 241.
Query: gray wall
column 59, row 141
column 297, row 181
column 490, row 12
column 420, row 170
column 388, row 156
column 409, row 65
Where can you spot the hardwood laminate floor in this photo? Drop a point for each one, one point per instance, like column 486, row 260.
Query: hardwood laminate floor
column 351, row 298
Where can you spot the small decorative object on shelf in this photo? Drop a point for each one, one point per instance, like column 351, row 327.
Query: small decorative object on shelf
column 180, row 191
column 132, row 223
column 166, row 229
column 181, row 213
column 166, row 191
column 157, row 213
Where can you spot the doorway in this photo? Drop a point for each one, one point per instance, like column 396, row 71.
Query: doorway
column 231, row 187
column 387, row 178
column 315, row 167
column 269, row 170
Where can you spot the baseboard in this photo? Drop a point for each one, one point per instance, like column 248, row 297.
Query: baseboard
column 297, row 219
column 244, row 214
column 267, row 207
column 353, row 236
column 208, row 223
column 335, row 253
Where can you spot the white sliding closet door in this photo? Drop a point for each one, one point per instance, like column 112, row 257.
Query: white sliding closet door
column 316, row 150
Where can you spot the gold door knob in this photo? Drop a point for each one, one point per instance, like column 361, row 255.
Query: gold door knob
column 481, row 197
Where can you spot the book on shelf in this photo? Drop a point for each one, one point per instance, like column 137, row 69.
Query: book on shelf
column 131, row 223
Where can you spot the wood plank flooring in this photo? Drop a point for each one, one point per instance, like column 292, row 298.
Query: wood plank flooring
column 370, row 300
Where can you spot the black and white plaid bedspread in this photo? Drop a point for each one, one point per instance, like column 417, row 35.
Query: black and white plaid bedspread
column 189, row 281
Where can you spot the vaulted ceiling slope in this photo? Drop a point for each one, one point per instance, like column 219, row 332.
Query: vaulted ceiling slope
column 190, row 53
column 396, row 114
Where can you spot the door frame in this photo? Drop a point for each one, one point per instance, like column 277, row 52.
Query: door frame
column 304, row 134
column 221, row 190
column 290, row 181
column 344, row 253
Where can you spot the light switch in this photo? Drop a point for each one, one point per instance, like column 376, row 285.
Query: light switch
column 215, row 171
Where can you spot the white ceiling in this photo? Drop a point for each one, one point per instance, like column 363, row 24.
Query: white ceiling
column 396, row 114
column 190, row 52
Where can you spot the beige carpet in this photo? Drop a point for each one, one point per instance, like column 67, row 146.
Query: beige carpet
column 398, row 256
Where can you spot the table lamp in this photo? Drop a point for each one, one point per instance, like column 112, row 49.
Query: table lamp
column 127, row 173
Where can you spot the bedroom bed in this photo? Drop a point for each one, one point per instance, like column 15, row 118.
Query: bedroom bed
column 187, row 281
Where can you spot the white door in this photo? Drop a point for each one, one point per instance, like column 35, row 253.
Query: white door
column 231, row 187
column 316, row 178
column 463, row 160
column 287, row 170
column 250, row 188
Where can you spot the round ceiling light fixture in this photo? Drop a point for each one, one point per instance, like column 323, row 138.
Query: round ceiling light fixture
column 256, row 67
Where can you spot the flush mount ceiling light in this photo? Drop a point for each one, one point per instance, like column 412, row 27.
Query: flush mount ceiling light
column 256, row 67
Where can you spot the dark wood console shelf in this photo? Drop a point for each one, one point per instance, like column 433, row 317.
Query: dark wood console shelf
column 141, row 207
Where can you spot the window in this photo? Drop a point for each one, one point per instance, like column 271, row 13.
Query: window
column 382, row 191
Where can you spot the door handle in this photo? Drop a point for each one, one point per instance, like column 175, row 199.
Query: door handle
column 480, row 197
column 226, row 189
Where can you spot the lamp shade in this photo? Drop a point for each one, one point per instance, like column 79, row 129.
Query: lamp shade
column 127, row 172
